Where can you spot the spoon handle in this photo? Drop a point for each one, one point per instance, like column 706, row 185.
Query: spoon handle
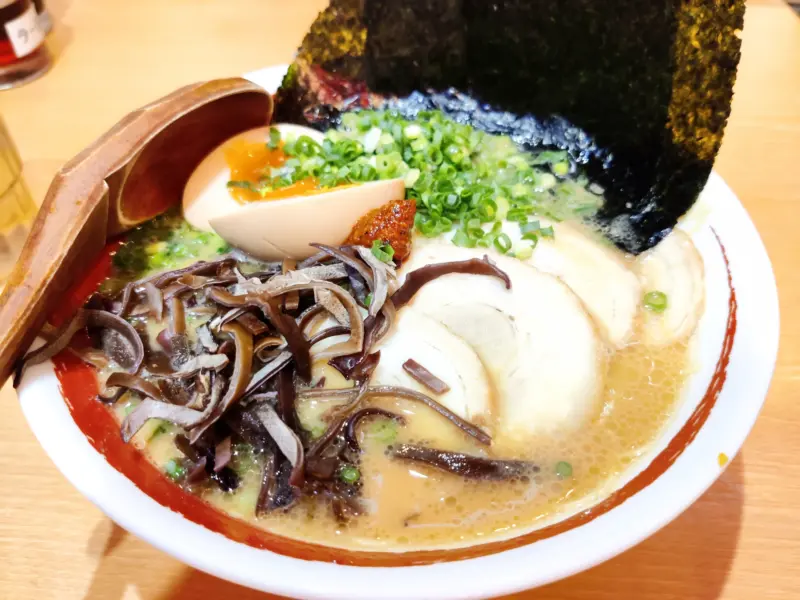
column 133, row 172
column 68, row 233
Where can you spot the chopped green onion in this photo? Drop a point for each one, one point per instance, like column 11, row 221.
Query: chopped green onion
column 371, row 140
column 455, row 154
column 383, row 251
column 532, row 227
column 274, row 138
column 561, row 169
column 174, row 470
column 547, row 232
column 474, row 229
column 384, row 430
column 429, row 228
column 502, row 208
column 463, row 240
column 305, row 146
column 487, row 209
column 655, row 301
column 411, row 177
column 368, row 299
column 349, row 474
column 549, row 157
column 412, row 131
column 245, row 185
column 524, row 252
column 547, row 180
column 563, row 469
column 531, row 237
column 503, row 243
column 517, row 214
column 455, row 173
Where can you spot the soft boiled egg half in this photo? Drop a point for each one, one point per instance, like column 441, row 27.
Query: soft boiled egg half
column 283, row 222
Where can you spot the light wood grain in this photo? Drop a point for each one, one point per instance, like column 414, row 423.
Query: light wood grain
column 740, row 541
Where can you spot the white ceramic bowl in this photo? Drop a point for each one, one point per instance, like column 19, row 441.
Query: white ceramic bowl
column 701, row 431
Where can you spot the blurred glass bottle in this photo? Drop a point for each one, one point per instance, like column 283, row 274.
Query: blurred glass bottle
column 17, row 208
column 43, row 15
column 23, row 55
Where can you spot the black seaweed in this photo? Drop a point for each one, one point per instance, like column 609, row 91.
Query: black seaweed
column 638, row 91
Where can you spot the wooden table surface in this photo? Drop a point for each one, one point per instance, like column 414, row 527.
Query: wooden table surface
column 741, row 540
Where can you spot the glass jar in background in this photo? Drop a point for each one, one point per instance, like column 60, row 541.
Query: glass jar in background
column 17, row 208
column 45, row 20
column 23, row 55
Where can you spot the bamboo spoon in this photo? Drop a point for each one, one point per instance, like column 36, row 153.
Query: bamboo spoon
column 132, row 173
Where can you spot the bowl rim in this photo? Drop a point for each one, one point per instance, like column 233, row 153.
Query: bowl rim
column 555, row 558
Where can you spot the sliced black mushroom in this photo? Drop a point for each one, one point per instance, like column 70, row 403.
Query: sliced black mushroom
column 211, row 362
column 119, row 340
column 419, row 277
column 60, row 340
column 267, row 372
column 223, row 453
column 348, row 259
column 425, row 377
column 328, row 333
column 119, row 383
column 276, row 492
column 242, row 366
column 252, row 323
column 464, row 465
column 287, row 441
column 155, row 300
column 381, row 276
column 156, row 407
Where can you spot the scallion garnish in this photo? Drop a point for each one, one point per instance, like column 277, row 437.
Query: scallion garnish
column 561, row 168
column 245, row 185
column 563, row 469
column 274, row 138
column 349, row 474
column 530, row 227
column 455, row 173
column 383, row 251
column 463, row 240
column 174, row 470
column 655, row 301
column 384, row 430
column 502, row 242
column 524, row 252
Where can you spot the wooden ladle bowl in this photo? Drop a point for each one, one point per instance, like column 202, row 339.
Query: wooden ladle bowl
column 129, row 175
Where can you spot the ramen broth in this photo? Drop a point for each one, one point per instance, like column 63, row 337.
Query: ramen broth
column 415, row 506
column 635, row 380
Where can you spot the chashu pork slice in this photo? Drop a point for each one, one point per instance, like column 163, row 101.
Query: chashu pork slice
column 595, row 271
column 675, row 268
column 536, row 341
column 448, row 357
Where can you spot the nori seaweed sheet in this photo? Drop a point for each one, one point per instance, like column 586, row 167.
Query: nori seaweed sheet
column 637, row 90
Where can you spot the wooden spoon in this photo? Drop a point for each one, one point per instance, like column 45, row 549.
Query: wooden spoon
column 132, row 173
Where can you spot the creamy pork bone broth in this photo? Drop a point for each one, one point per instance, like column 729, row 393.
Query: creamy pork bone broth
column 460, row 356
